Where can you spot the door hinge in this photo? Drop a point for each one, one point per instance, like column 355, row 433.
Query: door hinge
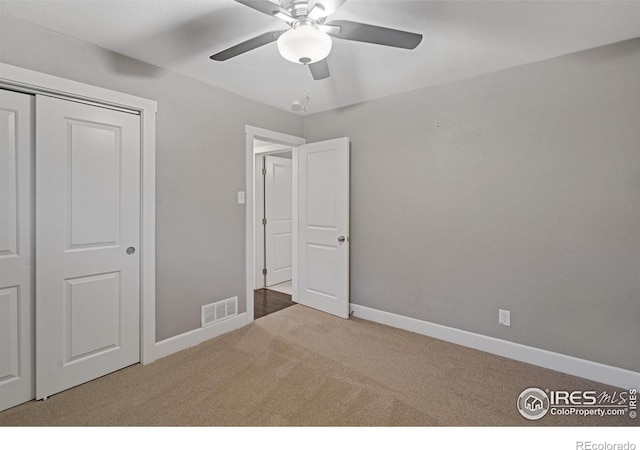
column 264, row 271
column 264, row 171
column 264, row 221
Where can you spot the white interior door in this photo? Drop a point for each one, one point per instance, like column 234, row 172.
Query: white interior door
column 323, row 231
column 16, row 251
column 87, row 233
column 279, row 217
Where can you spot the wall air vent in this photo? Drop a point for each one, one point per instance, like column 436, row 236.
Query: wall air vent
column 219, row 311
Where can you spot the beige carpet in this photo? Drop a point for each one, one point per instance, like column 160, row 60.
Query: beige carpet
column 302, row 367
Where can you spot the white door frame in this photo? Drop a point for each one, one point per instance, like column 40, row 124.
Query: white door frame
column 253, row 165
column 32, row 82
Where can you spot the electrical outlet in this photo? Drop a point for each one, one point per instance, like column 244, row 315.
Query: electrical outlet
column 504, row 317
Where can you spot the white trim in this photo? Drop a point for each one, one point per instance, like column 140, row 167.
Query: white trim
column 272, row 148
column 148, row 241
column 32, row 82
column 590, row 370
column 273, row 136
column 295, row 229
column 251, row 162
column 29, row 81
column 192, row 338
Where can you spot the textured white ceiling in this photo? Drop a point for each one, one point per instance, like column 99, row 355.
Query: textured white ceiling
column 461, row 39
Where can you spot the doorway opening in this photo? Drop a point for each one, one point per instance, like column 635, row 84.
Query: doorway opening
column 271, row 212
column 276, row 189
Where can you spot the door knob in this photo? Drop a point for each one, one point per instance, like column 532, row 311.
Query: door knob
column 341, row 239
column 131, row 250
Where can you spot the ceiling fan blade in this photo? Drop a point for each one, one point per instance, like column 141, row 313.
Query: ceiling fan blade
column 246, row 46
column 320, row 70
column 268, row 8
column 362, row 32
column 324, row 8
column 334, row 31
column 317, row 12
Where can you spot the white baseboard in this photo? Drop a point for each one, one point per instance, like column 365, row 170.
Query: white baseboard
column 192, row 338
column 590, row 370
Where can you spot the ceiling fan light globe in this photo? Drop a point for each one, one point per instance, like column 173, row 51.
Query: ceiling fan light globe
column 304, row 44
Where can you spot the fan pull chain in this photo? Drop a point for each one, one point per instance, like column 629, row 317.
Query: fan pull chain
column 307, row 94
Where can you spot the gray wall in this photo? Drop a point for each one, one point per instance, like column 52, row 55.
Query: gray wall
column 200, row 165
column 517, row 190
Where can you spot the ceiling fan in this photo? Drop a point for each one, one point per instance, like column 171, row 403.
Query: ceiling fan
column 308, row 38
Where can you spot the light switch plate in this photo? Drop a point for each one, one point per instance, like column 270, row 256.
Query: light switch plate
column 241, row 198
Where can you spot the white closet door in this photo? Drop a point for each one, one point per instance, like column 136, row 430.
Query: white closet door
column 87, row 234
column 16, row 251
column 279, row 215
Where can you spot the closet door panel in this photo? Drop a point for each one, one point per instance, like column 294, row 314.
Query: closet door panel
column 88, row 234
column 16, row 259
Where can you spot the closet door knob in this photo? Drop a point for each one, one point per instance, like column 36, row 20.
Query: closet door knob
column 131, row 250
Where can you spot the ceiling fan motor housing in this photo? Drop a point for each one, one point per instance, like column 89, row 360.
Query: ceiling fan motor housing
column 298, row 9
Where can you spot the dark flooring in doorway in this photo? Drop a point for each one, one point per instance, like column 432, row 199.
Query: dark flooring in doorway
column 267, row 302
